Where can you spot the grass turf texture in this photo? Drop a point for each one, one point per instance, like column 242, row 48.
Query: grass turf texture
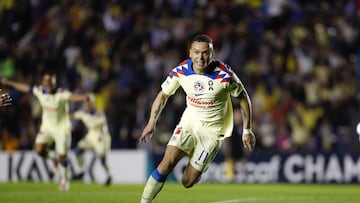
column 31, row 192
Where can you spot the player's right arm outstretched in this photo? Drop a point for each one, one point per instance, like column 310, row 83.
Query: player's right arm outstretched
column 156, row 109
column 22, row 87
column 248, row 137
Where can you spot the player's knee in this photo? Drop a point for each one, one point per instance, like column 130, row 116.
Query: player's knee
column 42, row 153
column 41, row 150
column 187, row 183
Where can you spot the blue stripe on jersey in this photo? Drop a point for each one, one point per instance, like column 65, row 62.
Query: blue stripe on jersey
column 184, row 68
column 222, row 71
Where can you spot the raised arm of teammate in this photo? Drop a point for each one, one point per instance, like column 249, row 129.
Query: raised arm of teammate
column 22, row 87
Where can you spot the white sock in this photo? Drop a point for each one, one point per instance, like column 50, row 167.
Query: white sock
column 152, row 188
column 63, row 171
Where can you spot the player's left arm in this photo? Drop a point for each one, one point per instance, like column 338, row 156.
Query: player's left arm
column 238, row 90
column 248, row 137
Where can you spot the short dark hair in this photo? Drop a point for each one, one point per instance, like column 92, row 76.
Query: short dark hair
column 48, row 71
column 202, row 38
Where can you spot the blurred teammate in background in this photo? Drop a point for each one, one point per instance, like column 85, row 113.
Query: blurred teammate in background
column 55, row 121
column 5, row 98
column 207, row 119
column 97, row 138
column 232, row 150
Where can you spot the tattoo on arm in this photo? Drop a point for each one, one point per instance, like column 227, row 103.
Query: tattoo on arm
column 158, row 107
column 246, row 109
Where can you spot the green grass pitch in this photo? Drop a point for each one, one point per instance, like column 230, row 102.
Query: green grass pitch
column 30, row 192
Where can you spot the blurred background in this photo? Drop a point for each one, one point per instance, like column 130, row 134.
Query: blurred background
column 298, row 59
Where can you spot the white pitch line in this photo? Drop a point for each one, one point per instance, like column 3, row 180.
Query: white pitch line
column 253, row 199
column 258, row 199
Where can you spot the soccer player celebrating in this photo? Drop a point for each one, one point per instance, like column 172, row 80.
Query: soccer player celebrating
column 55, row 121
column 5, row 98
column 207, row 119
column 97, row 137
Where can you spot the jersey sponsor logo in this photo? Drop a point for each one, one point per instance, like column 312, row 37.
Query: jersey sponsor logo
column 201, row 102
column 47, row 108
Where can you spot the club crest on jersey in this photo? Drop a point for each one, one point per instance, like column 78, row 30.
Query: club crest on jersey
column 199, row 87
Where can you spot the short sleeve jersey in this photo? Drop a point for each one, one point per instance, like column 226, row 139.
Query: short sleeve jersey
column 208, row 99
column 55, row 107
column 95, row 122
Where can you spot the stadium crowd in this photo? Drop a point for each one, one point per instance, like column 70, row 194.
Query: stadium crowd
column 299, row 59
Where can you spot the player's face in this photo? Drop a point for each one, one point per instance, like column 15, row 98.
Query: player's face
column 201, row 54
column 88, row 105
column 49, row 82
